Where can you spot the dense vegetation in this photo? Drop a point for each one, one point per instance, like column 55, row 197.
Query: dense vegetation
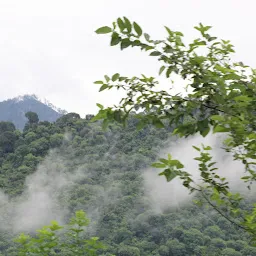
column 110, row 188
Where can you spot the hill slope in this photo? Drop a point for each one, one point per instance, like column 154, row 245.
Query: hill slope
column 14, row 110
column 54, row 169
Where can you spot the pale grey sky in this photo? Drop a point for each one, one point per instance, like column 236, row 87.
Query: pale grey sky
column 49, row 47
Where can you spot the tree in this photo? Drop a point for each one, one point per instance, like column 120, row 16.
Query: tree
column 125, row 250
column 32, row 117
column 176, row 248
column 192, row 238
column 48, row 240
column 6, row 127
column 163, row 250
column 214, row 231
column 68, row 119
column 230, row 252
column 249, row 251
column 7, row 141
column 220, row 98
column 218, row 243
column 238, row 245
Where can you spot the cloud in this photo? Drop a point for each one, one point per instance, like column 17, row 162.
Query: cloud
column 40, row 202
column 165, row 194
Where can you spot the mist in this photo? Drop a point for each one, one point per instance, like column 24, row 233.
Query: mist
column 39, row 203
column 164, row 195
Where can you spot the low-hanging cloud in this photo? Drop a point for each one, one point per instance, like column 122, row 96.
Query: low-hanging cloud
column 164, row 195
column 39, row 203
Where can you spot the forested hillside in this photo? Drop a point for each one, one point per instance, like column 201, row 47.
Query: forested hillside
column 74, row 164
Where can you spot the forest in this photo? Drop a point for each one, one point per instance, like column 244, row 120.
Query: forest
column 74, row 164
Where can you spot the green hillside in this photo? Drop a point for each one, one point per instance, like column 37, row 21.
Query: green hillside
column 78, row 165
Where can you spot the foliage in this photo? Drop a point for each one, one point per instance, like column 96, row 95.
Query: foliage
column 220, row 97
column 32, row 117
column 48, row 240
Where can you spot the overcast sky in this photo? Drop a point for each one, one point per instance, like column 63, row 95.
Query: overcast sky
column 49, row 47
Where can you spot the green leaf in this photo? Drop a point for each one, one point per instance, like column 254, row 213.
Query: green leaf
column 202, row 28
column 169, row 174
column 137, row 29
column 161, row 70
column 176, row 163
column 169, row 71
column 207, row 148
column 203, row 127
column 128, row 25
column 196, row 148
column 198, row 43
column 211, row 164
column 105, row 124
column 115, row 77
column 165, row 161
column 103, row 30
column 118, row 115
column 223, row 69
column 220, row 128
column 114, row 25
column 147, row 37
column 103, row 87
column 243, row 98
column 246, row 177
column 205, row 132
column 158, row 123
column 169, row 31
column 107, row 78
column 158, row 165
column 120, row 24
column 98, row 82
column 155, row 53
column 99, row 105
column 232, row 77
column 125, row 43
column 217, row 118
column 115, row 39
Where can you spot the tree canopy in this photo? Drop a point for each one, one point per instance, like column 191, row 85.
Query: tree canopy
column 32, row 117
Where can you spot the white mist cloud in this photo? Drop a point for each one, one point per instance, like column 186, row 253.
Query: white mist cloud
column 39, row 203
column 165, row 194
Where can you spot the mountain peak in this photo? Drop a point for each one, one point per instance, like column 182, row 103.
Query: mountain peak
column 44, row 101
column 14, row 109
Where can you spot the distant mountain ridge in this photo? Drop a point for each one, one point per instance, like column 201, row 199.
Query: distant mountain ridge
column 14, row 110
